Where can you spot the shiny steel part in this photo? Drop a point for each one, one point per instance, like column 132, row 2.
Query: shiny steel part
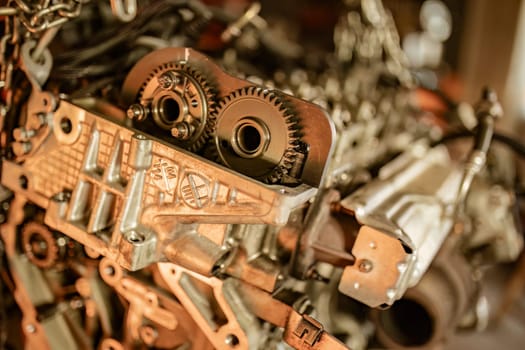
column 494, row 234
column 181, row 101
column 124, row 10
column 258, row 134
column 406, row 215
column 317, row 129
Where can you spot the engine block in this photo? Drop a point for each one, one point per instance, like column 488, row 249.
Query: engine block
column 156, row 195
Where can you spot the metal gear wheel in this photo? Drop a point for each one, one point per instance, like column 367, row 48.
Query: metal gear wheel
column 257, row 133
column 39, row 245
column 181, row 101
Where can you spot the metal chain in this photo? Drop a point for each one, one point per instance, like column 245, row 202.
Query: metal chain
column 42, row 16
column 9, row 54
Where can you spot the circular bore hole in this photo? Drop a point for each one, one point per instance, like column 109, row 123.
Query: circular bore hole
column 169, row 110
column 407, row 323
column 135, row 237
column 23, row 181
column 248, row 138
column 109, row 270
column 66, row 125
column 38, row 246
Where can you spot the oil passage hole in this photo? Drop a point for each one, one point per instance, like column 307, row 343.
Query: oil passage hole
column 135, row 237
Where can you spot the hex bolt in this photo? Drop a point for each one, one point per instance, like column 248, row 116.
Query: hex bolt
column 137, row 111
column 23, row 134
column 21, row 148
column 167, row 80
column 30, row 328
column 181, row 130
column 365, row 266
column 231, row 340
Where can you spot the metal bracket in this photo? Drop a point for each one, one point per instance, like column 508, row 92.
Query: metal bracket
column 309, row 329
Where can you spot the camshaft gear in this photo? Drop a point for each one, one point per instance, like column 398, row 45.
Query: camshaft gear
column 181, row 101
column 257, row 133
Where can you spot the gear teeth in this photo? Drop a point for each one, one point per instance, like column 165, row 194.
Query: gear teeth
column 209, row 92
column 290, row 118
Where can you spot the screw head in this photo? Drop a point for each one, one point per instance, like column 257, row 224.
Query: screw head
column 136, row 111
column 365, row 266
column 181, row 130
column 21, row 148
column 167, row 80
column 30, row 328
column 231, row 340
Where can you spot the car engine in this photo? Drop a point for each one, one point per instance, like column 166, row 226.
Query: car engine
column 183, row 175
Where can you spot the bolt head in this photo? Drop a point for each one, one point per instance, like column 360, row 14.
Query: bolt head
column 365, row 266
column 167, row 80
column 136, row 111
column 181, row 131
column 30, row 328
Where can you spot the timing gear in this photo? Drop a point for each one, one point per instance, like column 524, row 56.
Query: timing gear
column 257, row 133
column 39, row 245
column 181, row 101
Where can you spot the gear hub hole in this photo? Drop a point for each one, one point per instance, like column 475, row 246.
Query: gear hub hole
column 249, row 138
column 170, row 110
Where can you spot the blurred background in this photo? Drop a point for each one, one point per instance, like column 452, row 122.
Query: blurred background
column 454, row 48
column 467, row 44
